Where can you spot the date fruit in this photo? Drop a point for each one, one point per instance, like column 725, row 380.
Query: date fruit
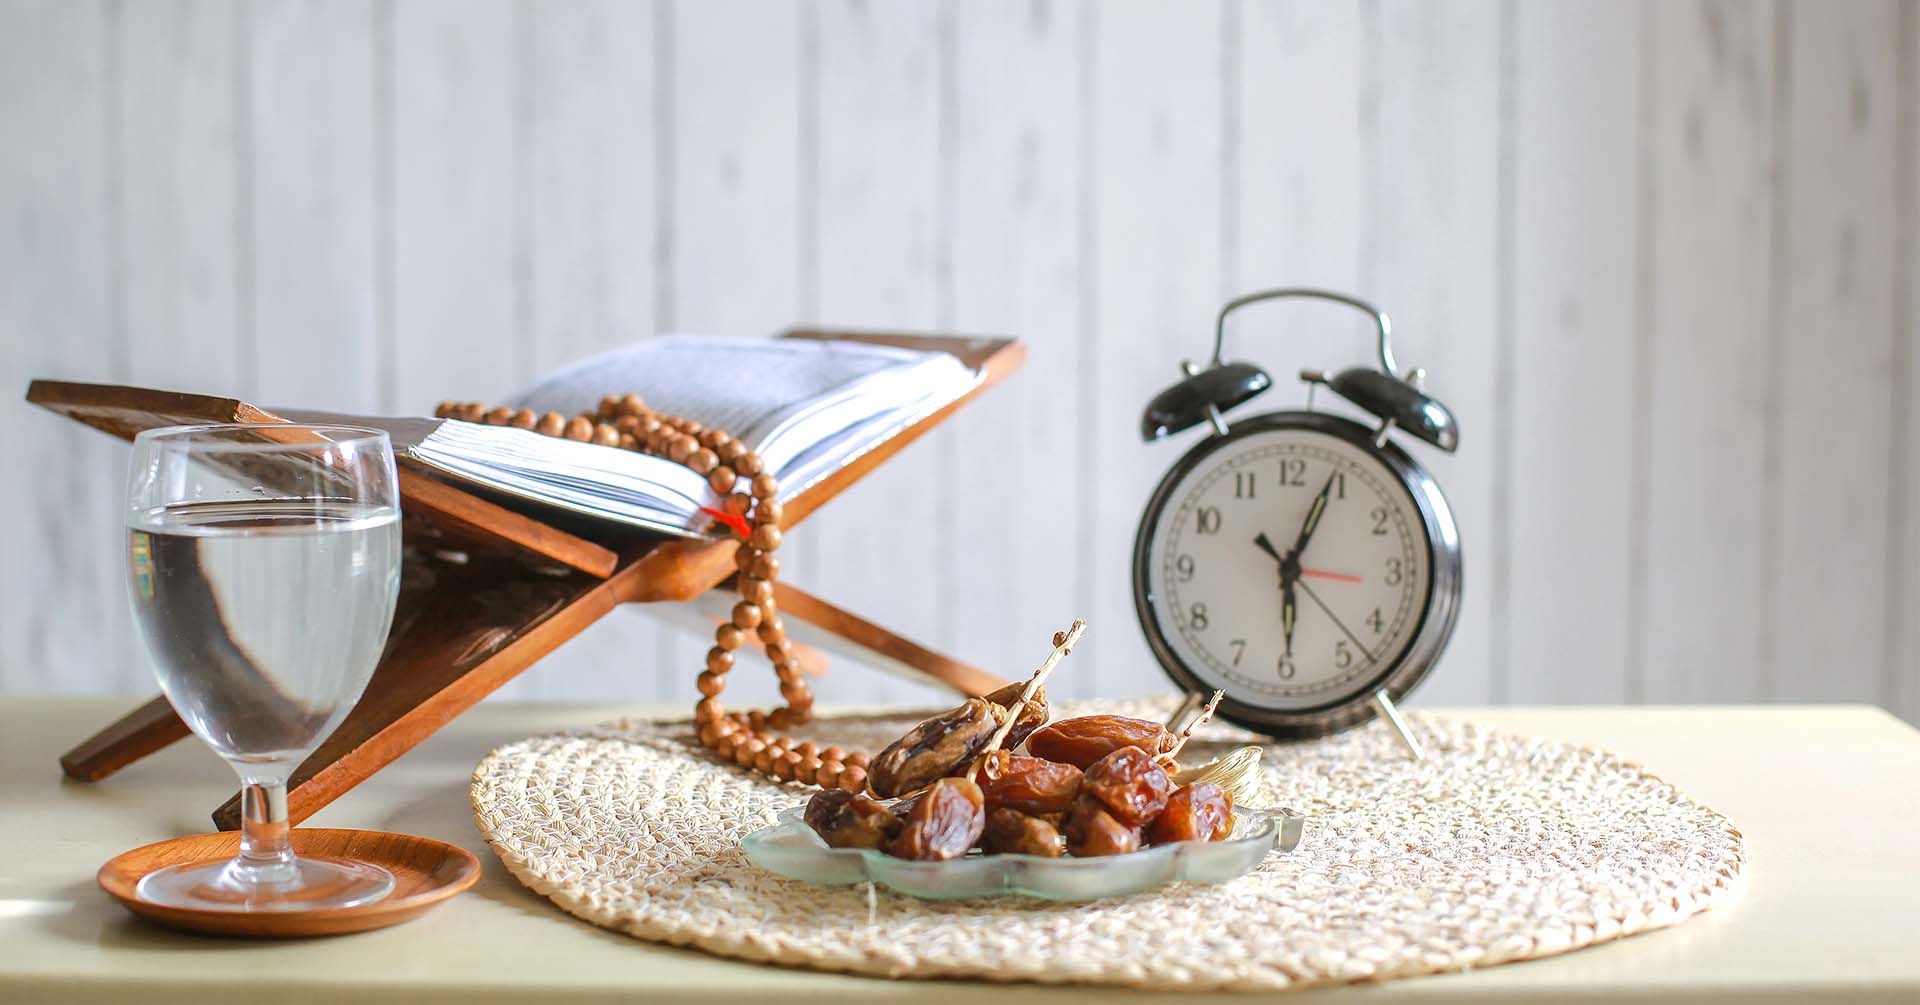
column 1031, row 717
column 1084, row 740
column 937, row 747
column 1133, row 787
column 1202, row 811
column 946, row 821
column 1092, row 831
column 1011, row 832
column 1028, row 784
column 846, row 819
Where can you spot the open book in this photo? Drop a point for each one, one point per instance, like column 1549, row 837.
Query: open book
column 806, row 406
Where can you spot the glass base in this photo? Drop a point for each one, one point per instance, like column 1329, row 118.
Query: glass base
column 298, row 884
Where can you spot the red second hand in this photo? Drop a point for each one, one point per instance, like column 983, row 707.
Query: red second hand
column 1339, row 577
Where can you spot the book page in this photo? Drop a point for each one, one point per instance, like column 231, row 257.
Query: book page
column 747, row 385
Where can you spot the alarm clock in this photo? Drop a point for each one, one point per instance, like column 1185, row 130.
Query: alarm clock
column 1303, row 563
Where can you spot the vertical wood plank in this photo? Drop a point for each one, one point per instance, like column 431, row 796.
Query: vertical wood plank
column 1156, row 118
column 734, row 229
column 313, row 183
column 1016, row 270
column 1902, row 686
column 1833, row 346
column 587, row 242
column 1573, row 368
column 453, row 202
column 1711, row 135
column 64, row 625
column 1430, row 238
column 181, row 141
column 1302, row 184
column 875, row 251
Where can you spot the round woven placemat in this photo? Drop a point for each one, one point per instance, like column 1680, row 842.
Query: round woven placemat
column 1496, row 848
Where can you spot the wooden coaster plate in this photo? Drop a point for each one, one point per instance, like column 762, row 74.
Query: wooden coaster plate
column 425, row 873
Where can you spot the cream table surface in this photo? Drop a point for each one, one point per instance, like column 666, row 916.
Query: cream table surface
column 1827, row 796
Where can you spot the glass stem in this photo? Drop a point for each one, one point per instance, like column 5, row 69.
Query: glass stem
column 266, row 835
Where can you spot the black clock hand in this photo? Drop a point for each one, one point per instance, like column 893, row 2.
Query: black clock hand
column 1362, row 646
column 1313, row 517
column 1289, row 573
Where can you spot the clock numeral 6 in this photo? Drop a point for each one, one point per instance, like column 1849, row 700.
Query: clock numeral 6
column 1208, row 520
column 1197, row 617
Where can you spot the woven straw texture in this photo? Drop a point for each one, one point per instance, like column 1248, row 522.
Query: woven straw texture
column 1496, row 848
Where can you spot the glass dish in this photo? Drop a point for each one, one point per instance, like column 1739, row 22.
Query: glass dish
column 791, row 849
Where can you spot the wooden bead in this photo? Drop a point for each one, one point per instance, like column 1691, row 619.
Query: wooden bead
column 703, row 461
column 716, row 438
column 833, row 754
column 779, row 650
column 804, row 771
column 727, row 744
column 523, row 419
column 769, row 511
column 793, row 691
column 779, row 742
column 690, row 427
column 609, row 404
column 632, row 404
column 737, row 504
column 743, row 754
column 755, row 589
column 710, row 683
column 763, row 761
column 780, row 718
column 827, row 775
column 853, row 778
column 808, row 748
column 731, row 451
column 729, row 638
column 744, row 556
column 627, row 442
column 627, row 423
column 765, row 486
column 681, row 448
column 748, row 464
column 860, row 757
column 784, row 767
column 579, row 428
column 721, row 480
column 500, row 416
column 708, row 710
column 719, row 660
column 551, row 424
column 766, row 537
column 745, row 615
column 606, row 435
column 772, row 629
column 757, row 721
column 764, row 566
column 649, row 425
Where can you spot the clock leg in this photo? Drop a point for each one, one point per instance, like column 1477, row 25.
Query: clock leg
column 1392, row 714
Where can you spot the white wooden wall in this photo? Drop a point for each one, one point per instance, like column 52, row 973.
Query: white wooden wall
column 1659, row 257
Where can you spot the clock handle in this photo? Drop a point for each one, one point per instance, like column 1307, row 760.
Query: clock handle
column 1380, row 320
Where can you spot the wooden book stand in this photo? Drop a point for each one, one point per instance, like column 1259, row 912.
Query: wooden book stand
column 461, row 630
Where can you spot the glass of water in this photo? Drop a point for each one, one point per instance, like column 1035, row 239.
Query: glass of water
column 264, row 563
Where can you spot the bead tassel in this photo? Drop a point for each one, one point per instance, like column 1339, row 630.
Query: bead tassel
column 749, row 508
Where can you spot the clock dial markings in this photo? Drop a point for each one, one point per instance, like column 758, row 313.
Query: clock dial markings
column 1361, row 522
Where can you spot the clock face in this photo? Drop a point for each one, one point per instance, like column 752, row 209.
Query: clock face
column 1289, row 567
